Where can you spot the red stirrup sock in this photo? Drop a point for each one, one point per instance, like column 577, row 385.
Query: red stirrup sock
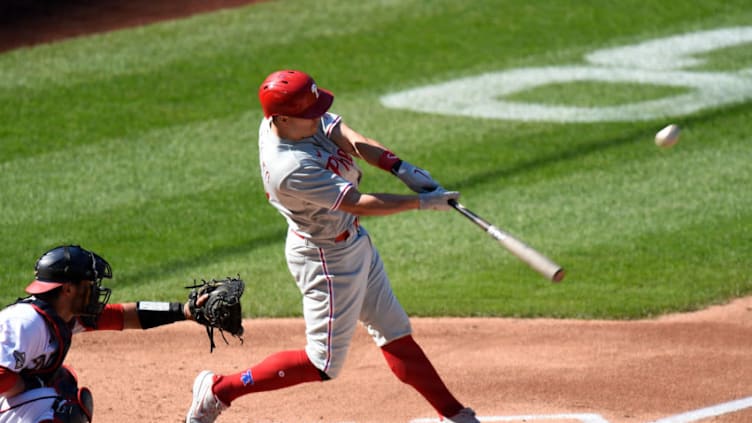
column 280, row 370
column 411, row 366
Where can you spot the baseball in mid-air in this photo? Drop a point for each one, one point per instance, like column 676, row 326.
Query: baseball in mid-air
column 667, row 136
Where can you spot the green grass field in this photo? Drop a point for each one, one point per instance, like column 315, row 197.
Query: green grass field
column 140, row 144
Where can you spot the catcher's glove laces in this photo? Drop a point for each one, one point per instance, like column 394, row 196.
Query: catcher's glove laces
column 221, row 309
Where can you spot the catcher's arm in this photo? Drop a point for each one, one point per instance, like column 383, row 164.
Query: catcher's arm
column 140, row 315
column 146, row 314
column 12, row 383
column 213, row 304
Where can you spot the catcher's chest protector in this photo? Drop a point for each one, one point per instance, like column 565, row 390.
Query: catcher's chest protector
column 58, row 329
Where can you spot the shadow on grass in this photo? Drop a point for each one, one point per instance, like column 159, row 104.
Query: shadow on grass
column 585, row 149
column 179, row 266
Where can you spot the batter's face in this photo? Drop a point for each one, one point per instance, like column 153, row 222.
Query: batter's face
column 294, row 128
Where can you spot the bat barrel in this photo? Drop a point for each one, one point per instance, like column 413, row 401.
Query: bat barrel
column 528, row 255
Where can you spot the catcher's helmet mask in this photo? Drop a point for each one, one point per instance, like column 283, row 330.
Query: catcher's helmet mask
column 73, row 264
column 293, row 93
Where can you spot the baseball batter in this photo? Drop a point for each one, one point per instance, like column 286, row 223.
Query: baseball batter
column 310, row 175
column 35, row 335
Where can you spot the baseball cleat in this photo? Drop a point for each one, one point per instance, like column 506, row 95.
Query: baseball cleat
column 205, row 407
column 466, row 415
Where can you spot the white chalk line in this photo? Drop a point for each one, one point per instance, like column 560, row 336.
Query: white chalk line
column 687, row 417
column 582, row 418
column 712, row 411
column 659, row 62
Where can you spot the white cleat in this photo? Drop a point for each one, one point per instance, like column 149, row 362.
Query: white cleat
column 466, row 415
column 205, row 407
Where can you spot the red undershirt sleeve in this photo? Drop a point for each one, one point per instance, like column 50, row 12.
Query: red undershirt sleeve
column 112, row 318
column 8, row 379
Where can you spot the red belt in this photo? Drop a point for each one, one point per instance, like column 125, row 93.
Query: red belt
column 342, row 237
column 339, row 238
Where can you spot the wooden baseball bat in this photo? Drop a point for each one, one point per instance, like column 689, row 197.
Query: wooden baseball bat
column 528, row 255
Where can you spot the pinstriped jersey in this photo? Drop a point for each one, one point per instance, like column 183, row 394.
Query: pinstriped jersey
column 306, row 180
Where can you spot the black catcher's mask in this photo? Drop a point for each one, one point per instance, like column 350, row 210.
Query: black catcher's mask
column 71, row 263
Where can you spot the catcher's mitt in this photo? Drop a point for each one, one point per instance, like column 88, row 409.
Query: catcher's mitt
column 221, row 309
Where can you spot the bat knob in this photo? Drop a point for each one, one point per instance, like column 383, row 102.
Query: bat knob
column 558, row 276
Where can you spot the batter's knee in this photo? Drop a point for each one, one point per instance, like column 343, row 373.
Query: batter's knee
column 324, row 376
column 330, row 373
column 329, row 364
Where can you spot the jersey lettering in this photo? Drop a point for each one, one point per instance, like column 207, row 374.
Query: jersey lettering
column 265, row 170
column 20, row 357
column 39, row 362
column 339, row 161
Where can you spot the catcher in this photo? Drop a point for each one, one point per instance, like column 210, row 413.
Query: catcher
column 67, row 298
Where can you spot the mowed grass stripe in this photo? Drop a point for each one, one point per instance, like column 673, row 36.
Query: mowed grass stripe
column 140, row 144
column 255, row 32
column 162, row 164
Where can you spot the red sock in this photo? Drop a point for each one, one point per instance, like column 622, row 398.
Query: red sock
column 411, row 366
column 280, row 370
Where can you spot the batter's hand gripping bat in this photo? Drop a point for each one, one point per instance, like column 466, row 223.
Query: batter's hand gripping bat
column 532, row 258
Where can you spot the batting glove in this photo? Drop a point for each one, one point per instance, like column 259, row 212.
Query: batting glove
column 417, row 179
column 437, row 200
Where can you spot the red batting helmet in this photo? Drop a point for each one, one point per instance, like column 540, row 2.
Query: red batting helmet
column 293, row 93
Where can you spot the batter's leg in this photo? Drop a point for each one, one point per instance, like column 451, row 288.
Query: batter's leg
column 332, row 282
column 280, row 370
column 390, row 328
column 411, row 366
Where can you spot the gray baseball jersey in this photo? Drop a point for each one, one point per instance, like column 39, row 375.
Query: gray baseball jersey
column 307, row 179
column 338, row 271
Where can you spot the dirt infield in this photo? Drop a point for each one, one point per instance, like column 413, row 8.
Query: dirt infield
column 636, row 371
column 557, row 371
